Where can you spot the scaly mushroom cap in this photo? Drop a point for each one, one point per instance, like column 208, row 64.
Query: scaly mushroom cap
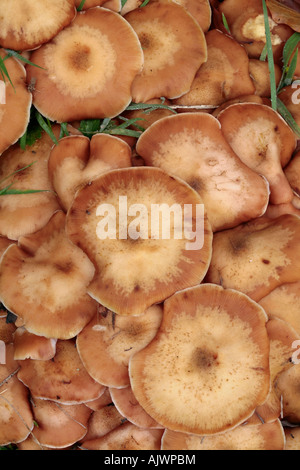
column 23, row 214
column 30, row 346
column 224, row 76
column 174, row 48
column 269, row 436
column 140, row 261
column 26, row 25
column 257, row 257
column 263, row 141
column 43, row 280
column 64, row 379
column 106, row 344
column 13, row 96
column 76, row 160
column 192, row 147
column 83, row 64
column 207, row 368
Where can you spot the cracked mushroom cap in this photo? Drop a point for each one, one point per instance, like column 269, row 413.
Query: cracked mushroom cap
column 82, row 65
column 263, row 141
column 44, row 280
column 106, row 344
column 63, row 379
column 76, row 160
column 257, row 257
column 174, row 48
column 26, row 25
column 139, row 260
column 191, row 146
column 13, row 96
column 209, row 359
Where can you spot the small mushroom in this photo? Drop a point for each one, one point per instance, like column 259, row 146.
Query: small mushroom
column 174, row 48
column 30, row 346
column 200, row 10
column 81, row 66
column 287, row 388
column 207, row 368
column 259, row 73
column 102, row 421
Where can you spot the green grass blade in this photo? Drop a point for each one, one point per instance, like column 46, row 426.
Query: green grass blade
column 17, row 171
column 225, row 23
column 46, row 126
column 147, row 107
column 11, row 53
column 264, row 53
column 5, row 73
column 81, row 5
column 270, row 57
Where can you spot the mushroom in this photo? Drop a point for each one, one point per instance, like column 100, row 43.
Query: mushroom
column 139, row 258
column 14, row 95
column 81, row 66
column 26, row 25
column 290, row 97
column 63, row 379
column 102, row 421
column 200, row 10
column 106, row 344
column 285, row 12
column 263, row 141
column 76, row 160
column 44, row 280
column 287, row 387
column 269, row 436
column 292, row 173
column 257, row 257
column 103, row 400
column 259, row 73
column 292, row 438
column 192, row 146
column 174, row 48
column 28, row 345
column 207, row 368
column 224, row 76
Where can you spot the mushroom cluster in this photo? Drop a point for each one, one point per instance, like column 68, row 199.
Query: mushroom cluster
column 149, row 225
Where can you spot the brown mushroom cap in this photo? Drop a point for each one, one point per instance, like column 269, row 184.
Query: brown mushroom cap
column 210, row 359
column 269, row 436
column 30, row 346
column 287, row 387
column 290, row 96
column 83, row 64
column 63, row 379
column 224, row 76
column 191, row 146
column 257, row 257
column 174, row 48
column 200, row 10
column 292, row 437
column 12, row 124
column 292, row 173
column 259, row 73
column 76, row 160
column 137, row 265
column 285, row 12
column 102, row 421
column 44, row 280
column 26, row 25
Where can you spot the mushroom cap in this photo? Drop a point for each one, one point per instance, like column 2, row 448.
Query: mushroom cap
column 210, row 359
column 30, row 346
column 82, row 67
column 106, row 344
column 174, row 48
column 200, row 10
column 138, row 261
column 76, row 160
column 23, row 214
column 89, row 3
column 259, row 73
column 286, row 12
column 269, row 436
column 224, row 76
column 257, row 257
column 44, row 281
column 191, row 146
column 26, row 24
column 287, row 387
column 263, row 141
column 292, row 173
column 13, row 124
column 63, row 379
column 268, row 412
column 290, row 97
column 102, row 421
column 292, row 437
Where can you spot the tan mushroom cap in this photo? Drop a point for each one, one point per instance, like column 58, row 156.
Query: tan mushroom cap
column 106, row 344
column 4, row 243
column 83, row 64
column 102, row 421
column 224, row 76
column 210, row 359
column 58, row 425
column 257, row 257
column 16, row 418
column 44, row 280
column 6, row 329
column 76, row 160
column 200, row 10
column 263, row 141
column 125, row 401
column 23, row 214
column 26, row 25
column 174, row 47
column 191, row 146
column 274, row 211
column 100, row 402
column 30, row 346
column 139, row 261
column 126, row 437
column 287, row 388
column 12, row 97
column 259, row 73
column 284, row 302
column 292, row 173
column 269, row 436
column 268, row 412
column 292, row 437
column 241, row 99
column 290, row 96
column 63, row 379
